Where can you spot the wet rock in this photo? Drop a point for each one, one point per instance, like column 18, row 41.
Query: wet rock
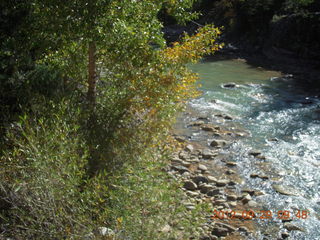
column 254, row 175
column 229, row 85
column 198, row 179
column 284, row 190
column 209, row 128
column 189, row 185
column 254, row 153
column 292, row 227
column 207, row 154
column 285, row 235
column 224, row 116
column 273, row 140
column 231, row 164
column 218, row 143
column 232, row 183
column 263, row 177
column 196, row 123
column 202, row 167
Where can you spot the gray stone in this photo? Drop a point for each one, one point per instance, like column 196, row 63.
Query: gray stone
column 229, row 85
column 207, row 154
column 232, row 197
column 252, row 204
column 218, row 143
column 180, row 169
column 285, row 190
column 214, row 192
column 254, row 153
column 285, row 235
column 231, row 164
column 189, row 148
column 196, row 123
column 206, row 188
column 220, row 231
column 227, row 226
column 246, row 198
column 106, row 232
column 202, row 167
column 189, row 185
column 211, row 179
column 198, row 179
column 292, row 227
column 209, row 128
column 230, row 172
column 250, row 191
column 222, row 182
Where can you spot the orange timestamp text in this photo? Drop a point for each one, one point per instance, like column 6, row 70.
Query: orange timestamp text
column 263, row 214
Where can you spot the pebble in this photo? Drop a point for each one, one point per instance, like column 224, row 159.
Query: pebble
column 211, row 179
column 252, row 204
column 214, row 192
column 292, row 227
column 246, row 198
column 230, row 172
column 189, row 148
column 232, row 197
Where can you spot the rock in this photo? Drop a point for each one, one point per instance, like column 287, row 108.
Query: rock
column 180, row 169
column 211, row 179
column 224, row 116
column 232, row 197
column 189, row 185
column 232, row 183
column 166, row 229
column 189, row 148
column 180, row 139
column 249, row 191
column 202, row 167
column 252, row 204
column 209, row 128
column 243, row 229
column 196, row 124
column 219, row 201
column 220, row 231
column 284, row 190
column 254, row 153
column 233, row 204
column 227, row 226
column 246, row 198
column 273, row 140
column 198, row 179
column 231, row 164
column 229, row 85
column 263, row 177
column 218, row 143
column 207, row 154
column 214, row 192
column 190, row 207
column 206, row 188
column 184, row 155
column 193, row 194
column 261, row 157
column 222, row 182
column 106, row 232
column 254, row 175
column 205, row 237
column 230, row 172
column 292, row 227
column 285, row 235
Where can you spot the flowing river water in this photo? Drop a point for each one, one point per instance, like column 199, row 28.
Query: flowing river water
column 283, row 120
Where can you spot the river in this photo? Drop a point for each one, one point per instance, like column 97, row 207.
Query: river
column 283, row 119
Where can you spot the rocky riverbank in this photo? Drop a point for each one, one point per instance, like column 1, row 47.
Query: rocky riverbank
column 209, row 175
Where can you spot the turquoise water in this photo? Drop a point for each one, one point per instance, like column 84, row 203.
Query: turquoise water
column 270, row 107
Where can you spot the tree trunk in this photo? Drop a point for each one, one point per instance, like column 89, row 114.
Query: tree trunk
column 92, row 77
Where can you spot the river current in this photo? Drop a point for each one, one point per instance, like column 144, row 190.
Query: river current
column 283, row 119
